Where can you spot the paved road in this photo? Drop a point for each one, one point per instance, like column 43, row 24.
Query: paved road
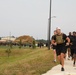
column 69, row 69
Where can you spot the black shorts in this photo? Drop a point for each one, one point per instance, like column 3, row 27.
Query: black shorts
column 68, row 46
column 73, row 51
column 54, row 47
column 60, row 49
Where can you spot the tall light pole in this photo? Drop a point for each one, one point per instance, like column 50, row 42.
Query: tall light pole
column 49, row 29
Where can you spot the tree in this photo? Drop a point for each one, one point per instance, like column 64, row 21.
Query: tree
column 8, row 51
column 33, row 45
column 20, row 43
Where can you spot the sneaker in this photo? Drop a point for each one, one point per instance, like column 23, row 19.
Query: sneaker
column 68, row 58
column 62, row 69
column 54, row 61
column 74, row 64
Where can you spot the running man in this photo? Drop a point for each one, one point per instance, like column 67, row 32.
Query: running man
column 73, row 48
column 54, row 47
column 69, row 47
column 59, row 40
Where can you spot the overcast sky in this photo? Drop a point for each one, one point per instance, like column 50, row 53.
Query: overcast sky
column 30, row 17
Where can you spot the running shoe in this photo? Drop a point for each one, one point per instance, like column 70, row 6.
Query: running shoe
column 62, row 69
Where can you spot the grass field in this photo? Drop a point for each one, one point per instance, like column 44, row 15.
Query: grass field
column 26, row 61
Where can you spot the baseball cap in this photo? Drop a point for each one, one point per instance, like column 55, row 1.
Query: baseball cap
column 58, row 28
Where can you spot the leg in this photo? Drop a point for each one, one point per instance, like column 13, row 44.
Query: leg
column 72, row 51
column 74, row 56
column 59, row 58
column 62, row 59
column 74, row 60
column 69, row 53
column 54, row 55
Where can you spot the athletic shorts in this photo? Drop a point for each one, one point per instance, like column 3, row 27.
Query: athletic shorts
column 60, row 49
column 73, row 51
column 54, row 47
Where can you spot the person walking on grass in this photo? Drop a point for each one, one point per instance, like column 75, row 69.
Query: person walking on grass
column 59, row 40
column 54, row 47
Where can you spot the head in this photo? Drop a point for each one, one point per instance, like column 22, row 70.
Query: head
column 70, row 33
column 55, row 32
column 58, row 30
column 74, row 33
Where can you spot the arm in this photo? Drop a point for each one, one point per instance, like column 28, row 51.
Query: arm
column 66, row 38
column 53, row 42
column 68, row 41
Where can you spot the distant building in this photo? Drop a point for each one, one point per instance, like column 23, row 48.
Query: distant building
column 8, row 38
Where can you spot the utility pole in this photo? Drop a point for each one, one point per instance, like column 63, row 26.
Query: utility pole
column 49, row 29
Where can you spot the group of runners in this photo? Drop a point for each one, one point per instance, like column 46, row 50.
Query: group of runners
column 61, row 44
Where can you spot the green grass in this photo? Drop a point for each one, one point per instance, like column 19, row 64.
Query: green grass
column 26, row 61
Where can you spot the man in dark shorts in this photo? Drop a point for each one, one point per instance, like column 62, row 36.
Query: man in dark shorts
column 59, row 41
column 69, row 46
column 54, row 47
column 73, row 48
